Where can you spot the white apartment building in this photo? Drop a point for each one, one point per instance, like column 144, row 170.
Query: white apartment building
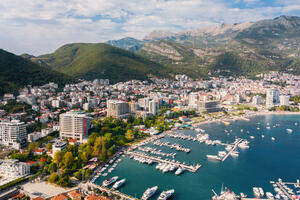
column 55, row 103
column 284, row 100
column 272, row 97
column 58, row 146
column 193, row 99
column 74, row 125
column 153, row 107
column 117, row 109
column 256, row 100
column 13, row 134
column 13, row 168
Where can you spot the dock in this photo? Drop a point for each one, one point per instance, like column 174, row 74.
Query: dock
column 159, row 160
column 296, row 185
column 114, row 192
column 282, row 189
column 235, row 145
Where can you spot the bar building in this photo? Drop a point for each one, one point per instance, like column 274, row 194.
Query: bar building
column 74, row 125
column 13, row 134
column 117, row 109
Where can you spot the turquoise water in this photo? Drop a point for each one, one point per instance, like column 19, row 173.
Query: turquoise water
column 265, row 160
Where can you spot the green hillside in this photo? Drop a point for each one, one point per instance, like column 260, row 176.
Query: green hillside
column 16, row 72
column 233, row 49
column 91, row 61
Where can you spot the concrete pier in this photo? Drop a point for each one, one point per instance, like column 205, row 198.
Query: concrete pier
column 159, row 160
column 235, row 145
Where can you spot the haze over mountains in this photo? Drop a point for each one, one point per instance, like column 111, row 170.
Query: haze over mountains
column 226, row 49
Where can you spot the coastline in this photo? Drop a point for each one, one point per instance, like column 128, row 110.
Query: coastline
column 245, row 116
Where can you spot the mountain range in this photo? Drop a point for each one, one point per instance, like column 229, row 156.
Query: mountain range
column 226, row 49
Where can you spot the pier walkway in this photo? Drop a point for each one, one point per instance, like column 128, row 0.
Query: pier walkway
column 235, row 145
column 296, row 185
column 155, row 159
column 115, row 192
column 283, row 189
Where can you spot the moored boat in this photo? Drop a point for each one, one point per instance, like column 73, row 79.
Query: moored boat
column 149, row 193
column 166, row 194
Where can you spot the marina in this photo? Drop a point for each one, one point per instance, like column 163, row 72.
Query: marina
column 253, row 164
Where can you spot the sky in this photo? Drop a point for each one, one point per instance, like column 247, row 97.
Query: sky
column 40, row 26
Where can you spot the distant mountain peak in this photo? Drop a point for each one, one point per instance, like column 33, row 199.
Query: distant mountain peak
column 158, row 34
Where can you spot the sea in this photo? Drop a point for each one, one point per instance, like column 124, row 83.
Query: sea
column 265, row 160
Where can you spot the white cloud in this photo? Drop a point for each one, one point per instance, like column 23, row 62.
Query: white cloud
column 42, row 26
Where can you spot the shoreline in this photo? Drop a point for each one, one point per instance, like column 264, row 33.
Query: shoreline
column 245, row 116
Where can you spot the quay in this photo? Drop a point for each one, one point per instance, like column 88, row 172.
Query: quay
column 155, row 159
column 235, row 145
column 114, row 192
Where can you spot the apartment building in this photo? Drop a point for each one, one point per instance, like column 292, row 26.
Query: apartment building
column 13, row 134
column 117, row 109
column 74, row 125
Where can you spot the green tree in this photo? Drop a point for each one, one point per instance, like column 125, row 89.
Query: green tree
column 52, row 168
column 84, row 157
column 68, row 160
column 31, row 146
column 53, row 177
column 129, row 135
column 58, row 157
column 78, row 175
column 49, row 146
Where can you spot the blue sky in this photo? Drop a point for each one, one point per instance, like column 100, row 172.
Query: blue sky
column 39, row 27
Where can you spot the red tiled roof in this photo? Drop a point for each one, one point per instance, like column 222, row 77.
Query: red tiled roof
column 38, row 150
column 39, row 198
column 18, row 196
column 74, row 194
column 60, row 197
column 31, row 162
column 72, row 140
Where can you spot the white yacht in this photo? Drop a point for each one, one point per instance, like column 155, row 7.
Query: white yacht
column 118, row 184
column 262, row 136
column 269, row 195
column 256, row 192
column 179, row 171
column 243, row 145
column 228, row 148
column 273, row 138
column 166, row 194
column 109, row 181
column 213, row 157
column 234, row 153
column 261, row 191
column 149, row 193
column 222, row 153
column 289, row 130
column 242, row 195
column 252, row 137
